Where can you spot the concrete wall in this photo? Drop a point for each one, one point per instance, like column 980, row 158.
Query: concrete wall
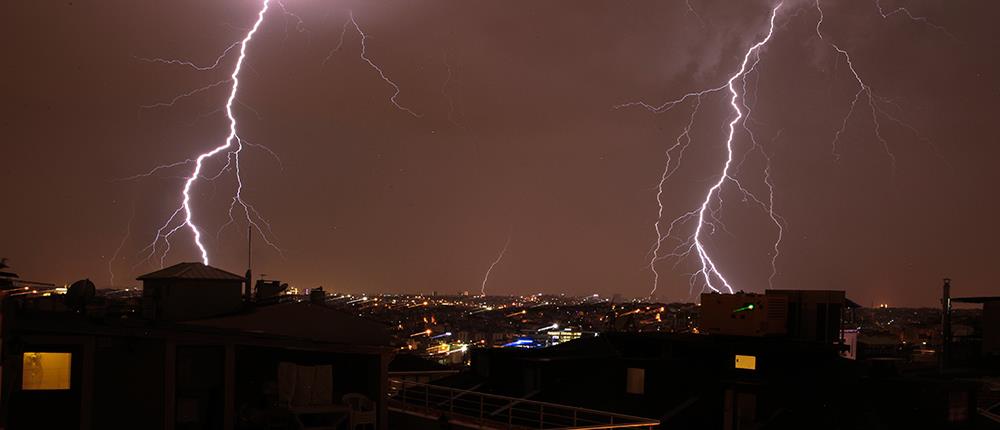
column 179, row 300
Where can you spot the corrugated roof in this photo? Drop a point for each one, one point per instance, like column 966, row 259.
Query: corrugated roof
column 191, row 271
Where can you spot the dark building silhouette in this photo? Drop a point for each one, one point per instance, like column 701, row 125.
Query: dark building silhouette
column 783, row 370
column 811, row 315
column 195, row 357
column 991, row 324
column 723, row 382
column 187, row 291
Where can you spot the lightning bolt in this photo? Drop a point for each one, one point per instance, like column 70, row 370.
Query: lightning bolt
column 690, row 9
column 865, row 91
column 191, row 64
column 909, row 15
column 118, row 250
column 707, row 216
column 183, row 216
column 708, row 266
column 186, row 208
column 486, row 278
column 706, row 213
column 233, row 145
column 775, row 218
column 381, row 73
column 353, row 22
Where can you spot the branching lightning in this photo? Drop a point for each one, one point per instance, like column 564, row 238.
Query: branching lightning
column 186, row 209
column 909, row 15
column 364, row 57
column 233, row 145
column 706, row 213
column 353, row 22
column 863, row 90
column 873, row 101
column 218, row 60
column 707, row 216
column 708, row 266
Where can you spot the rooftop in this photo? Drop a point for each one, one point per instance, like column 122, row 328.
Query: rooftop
column 196, row 271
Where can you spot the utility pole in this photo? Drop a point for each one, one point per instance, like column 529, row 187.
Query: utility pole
column 248, row 278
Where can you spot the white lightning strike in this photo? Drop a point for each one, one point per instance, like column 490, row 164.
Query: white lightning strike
column 352, row 22
column 191, row 64
column 233, row 145
column 708, row 267
column 680, row 144
column 188, row 218
column 705, row 214
column 775, row 218
column 364, row 56
column 232, row 140
column 486, row 278
column 768, row 207
column 708, row 213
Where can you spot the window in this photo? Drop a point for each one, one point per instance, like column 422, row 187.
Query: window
column 46, row 370
column 635, row 381
column 747, row 362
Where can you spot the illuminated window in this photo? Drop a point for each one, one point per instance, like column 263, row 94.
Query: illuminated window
column 748, row 362
column 635, row 381
column 46, row 370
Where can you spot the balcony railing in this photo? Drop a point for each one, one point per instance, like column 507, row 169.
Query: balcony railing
column 490, row 411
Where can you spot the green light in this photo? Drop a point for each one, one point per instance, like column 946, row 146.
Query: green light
column 748, row 307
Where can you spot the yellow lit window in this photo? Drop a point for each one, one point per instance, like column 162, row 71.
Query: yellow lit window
column 748, row 362
column 46, row 370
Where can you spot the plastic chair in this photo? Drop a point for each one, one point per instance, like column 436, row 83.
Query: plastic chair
column 362, row 411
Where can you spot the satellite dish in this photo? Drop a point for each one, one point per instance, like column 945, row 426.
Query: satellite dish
column 79, row 293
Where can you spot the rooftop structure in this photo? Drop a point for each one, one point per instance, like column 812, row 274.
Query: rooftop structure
column 794, row 314
column 205, row 359
column 187, row 291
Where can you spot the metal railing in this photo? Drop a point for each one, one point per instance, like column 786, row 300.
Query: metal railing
column 491, row 411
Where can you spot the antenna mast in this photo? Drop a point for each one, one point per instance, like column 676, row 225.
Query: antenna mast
column 249, row 247
column 247, row 294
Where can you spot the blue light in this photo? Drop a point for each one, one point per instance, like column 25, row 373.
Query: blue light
column 520, row 342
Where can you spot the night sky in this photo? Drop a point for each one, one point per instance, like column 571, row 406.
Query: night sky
column 517, row 136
